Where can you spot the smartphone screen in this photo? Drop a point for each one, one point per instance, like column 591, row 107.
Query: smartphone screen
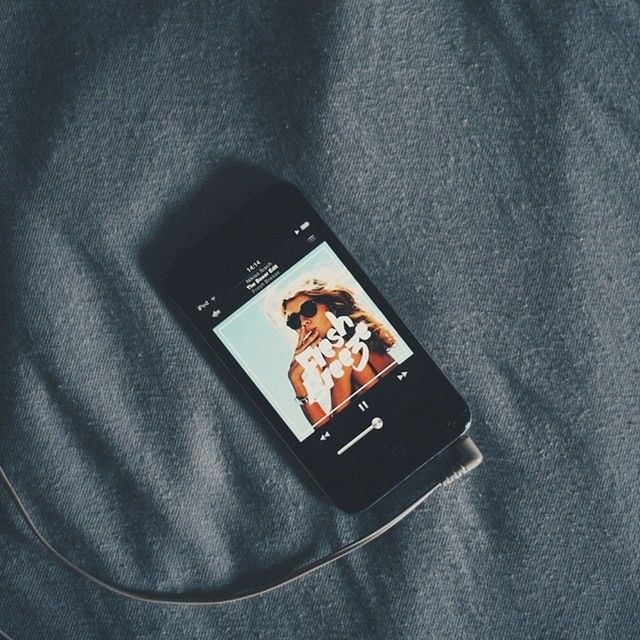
column 319, row 350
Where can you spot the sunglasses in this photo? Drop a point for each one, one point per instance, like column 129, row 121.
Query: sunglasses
column 308, row 309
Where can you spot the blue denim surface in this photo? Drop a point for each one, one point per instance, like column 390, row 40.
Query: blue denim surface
column 480, row 159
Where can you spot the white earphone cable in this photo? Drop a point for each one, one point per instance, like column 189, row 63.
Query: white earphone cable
column 184, row 599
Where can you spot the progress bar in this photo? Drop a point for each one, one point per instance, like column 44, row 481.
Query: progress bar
column 376, row 423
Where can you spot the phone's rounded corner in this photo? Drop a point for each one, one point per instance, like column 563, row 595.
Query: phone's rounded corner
column 279, row 189
column 349, row 504
column 351, row 509
column 467, row 425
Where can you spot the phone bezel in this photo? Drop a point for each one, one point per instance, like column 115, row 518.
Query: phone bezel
column 281, row 205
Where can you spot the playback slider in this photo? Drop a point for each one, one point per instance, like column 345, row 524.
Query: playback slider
column 376, row 423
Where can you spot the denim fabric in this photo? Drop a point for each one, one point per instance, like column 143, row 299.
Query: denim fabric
column 479, row 159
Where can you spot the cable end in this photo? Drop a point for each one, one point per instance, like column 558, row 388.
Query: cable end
column 469, row 465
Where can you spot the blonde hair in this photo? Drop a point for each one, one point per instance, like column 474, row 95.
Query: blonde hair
column 342, row 302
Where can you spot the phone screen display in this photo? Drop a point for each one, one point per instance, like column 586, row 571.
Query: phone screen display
column 317, row 347
column 311, row 339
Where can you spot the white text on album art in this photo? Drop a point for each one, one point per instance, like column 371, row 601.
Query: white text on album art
column 328, row 359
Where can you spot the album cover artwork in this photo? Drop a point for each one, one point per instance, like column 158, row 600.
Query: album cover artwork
column 312, row 341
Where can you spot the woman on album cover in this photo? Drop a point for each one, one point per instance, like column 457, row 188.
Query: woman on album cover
column 341, row 348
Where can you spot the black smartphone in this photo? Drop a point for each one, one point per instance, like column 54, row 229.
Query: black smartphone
column 319, row 350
